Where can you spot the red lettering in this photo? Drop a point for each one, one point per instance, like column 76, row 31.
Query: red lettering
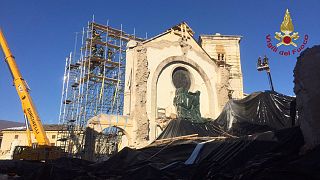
column 281, row 52
column 294, row 51
column 268, row 38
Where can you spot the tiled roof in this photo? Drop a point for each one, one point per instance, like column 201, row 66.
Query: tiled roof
column 7, row 124
column 47, row 127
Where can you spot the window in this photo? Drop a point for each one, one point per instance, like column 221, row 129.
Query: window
column 181, row 78
column 16, row 136
column 221, row 57
column 53, row 136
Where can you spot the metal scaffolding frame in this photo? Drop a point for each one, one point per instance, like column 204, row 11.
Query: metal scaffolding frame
column 93, row 82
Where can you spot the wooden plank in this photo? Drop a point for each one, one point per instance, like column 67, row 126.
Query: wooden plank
column 102, row 43
column 175, row 138
column 115, row 32
column 101, row 60
column 188, row 137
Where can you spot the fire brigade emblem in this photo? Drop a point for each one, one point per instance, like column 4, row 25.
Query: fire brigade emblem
column 287, row 34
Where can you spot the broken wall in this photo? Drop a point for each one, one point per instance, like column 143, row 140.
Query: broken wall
column 137, row 74
column 306, row 88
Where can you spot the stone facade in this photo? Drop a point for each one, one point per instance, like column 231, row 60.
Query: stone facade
column 150, row 89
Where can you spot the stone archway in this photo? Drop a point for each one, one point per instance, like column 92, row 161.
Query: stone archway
column 186, row 61
column 125, row 133
column 103, row 121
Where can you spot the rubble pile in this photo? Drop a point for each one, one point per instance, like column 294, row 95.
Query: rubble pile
column 268, row 155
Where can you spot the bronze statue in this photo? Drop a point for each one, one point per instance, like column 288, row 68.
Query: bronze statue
column 188, row 105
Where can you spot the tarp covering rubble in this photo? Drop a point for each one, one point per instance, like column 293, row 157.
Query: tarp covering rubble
column 269, row 155
column 258, row 112
column 181, row 127
column 273, row 154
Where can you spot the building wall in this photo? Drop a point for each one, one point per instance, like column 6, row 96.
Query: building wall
column 167, row 51
column 160, row 56
column 9, row 138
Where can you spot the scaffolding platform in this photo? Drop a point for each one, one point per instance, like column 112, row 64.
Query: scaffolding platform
column 93, row 83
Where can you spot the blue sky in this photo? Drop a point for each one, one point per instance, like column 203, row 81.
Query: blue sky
column 41, row 34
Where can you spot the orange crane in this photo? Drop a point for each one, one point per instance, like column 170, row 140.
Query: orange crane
column 43, row 150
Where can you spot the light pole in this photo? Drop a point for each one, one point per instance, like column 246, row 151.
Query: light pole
column 263, row 65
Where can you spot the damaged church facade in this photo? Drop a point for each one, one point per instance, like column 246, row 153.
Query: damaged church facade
column 156, row 67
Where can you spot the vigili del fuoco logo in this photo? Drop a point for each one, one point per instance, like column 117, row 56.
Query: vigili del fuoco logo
column 287, row 37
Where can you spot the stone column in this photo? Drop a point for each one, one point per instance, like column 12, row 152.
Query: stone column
column 139, row 99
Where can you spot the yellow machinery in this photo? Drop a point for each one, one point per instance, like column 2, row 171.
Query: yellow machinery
column 43, row 150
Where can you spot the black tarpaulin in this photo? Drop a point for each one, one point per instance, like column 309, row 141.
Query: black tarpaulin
column 181, row 127
column 258, row 112
column 224, row 158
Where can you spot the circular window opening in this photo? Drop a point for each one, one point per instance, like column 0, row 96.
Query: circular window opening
column 181, row 78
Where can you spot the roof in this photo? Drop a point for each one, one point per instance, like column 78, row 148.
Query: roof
column 177, row 27
column 219, row 35
column 182, row 27
column 7, row 124
column 47, row 127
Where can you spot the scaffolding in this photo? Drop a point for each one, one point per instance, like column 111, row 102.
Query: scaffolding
column 93, row 82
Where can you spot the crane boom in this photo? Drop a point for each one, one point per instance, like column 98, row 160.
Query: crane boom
column 22, row 89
